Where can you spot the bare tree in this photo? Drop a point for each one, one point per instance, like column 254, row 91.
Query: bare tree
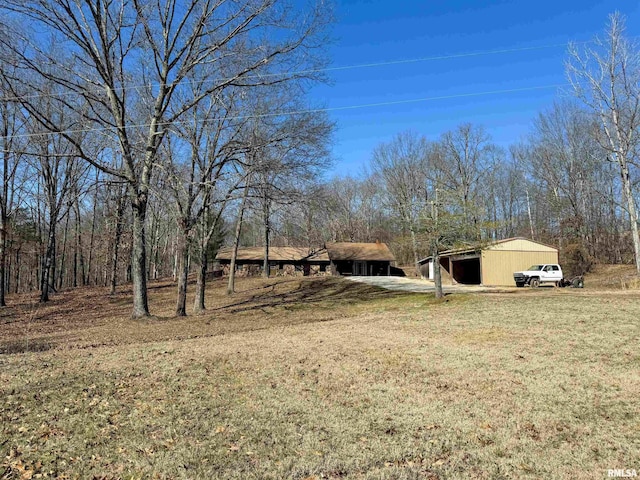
column 606, row 77
column 443, row 226
column 58, row 170
column 401, row 168
column 291, row 151
column 466, row 158
column 119, row 194
column 231, row 285
column 129, row 62
column 435, row 232
column 12, row 146
column 59, row 175
column 343, row 200
column 209, row 138
column 515, row 183
column 563, row 159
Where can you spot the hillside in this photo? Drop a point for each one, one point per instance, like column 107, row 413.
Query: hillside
column 614, row 277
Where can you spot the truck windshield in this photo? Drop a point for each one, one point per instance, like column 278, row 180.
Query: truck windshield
column 535, row 268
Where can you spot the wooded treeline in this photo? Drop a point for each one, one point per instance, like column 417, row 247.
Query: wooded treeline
column 571, row 183
column 137, row 137
column 143, row 120
column 558, row 188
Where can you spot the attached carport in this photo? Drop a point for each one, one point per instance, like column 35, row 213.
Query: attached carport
column 360, row 259
column 490, row 264
column 466, row 269
column 463, row 268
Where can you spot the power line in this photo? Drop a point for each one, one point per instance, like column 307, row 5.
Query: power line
column 319, row 110
column 332, row 69
column 441, row 97
column 449, row 57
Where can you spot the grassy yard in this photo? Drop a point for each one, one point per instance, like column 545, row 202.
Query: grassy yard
column 322, row 378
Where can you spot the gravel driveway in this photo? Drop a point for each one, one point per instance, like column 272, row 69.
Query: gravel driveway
column 415, row 284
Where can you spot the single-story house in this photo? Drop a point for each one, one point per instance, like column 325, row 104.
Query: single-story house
column 490, row 264
column 300, row 258
column 368, row 259
column 343, row 258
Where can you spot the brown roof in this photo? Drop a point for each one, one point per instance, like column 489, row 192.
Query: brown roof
column 318, row 256
column 359, row 251
column 276, row 254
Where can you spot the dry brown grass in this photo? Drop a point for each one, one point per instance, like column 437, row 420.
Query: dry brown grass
column 88, row 317
column 327, row 379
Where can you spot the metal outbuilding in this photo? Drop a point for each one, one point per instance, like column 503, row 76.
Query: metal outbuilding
column 490, row 264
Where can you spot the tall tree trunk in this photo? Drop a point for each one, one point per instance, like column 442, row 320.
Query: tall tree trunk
column 533, row 235
column 437, row 277
column 155, row 248
column 236, row 243
column 5, row 206
column 92, row 236
column 152, row 255
column 47, row 267
column 198, row 303
column 16, row 281
column 139, row 257
column 414, row 247
column 183, row 271
column 615, row 238
column 64, row 251
column 116, row 243
column 631, row 207
column 265, row 263
column 79, row 248
column 74, row 282
column 8, row 273
column 175, row 259
column 437, row 274
column 3, row 258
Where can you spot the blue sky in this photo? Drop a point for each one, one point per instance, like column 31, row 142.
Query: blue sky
column 375, row 31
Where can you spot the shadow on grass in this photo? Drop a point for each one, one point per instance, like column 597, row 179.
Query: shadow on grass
column 326, row 292
column 72, row 318
column 23, row 346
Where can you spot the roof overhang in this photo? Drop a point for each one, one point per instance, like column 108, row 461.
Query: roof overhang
column 459, row 254
column 476, row 249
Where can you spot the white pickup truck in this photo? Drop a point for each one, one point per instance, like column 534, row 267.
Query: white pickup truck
column 538, row 274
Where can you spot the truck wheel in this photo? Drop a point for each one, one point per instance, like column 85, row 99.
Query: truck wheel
column 534, row 283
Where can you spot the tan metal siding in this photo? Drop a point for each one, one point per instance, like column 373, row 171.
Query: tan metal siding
column 498, row 266
column 521, row 244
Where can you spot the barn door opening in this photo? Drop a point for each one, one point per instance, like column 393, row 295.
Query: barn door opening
column 466, row 271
